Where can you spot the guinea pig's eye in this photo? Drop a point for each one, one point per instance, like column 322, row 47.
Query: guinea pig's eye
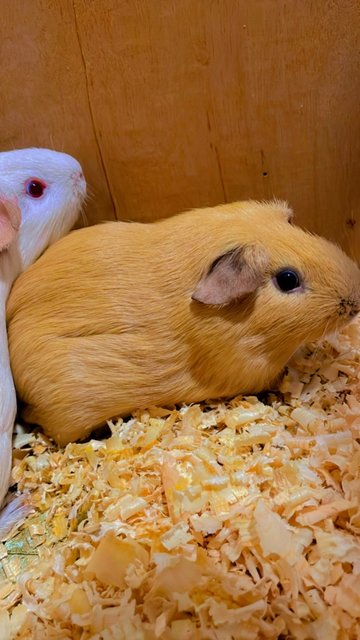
column 35, row 187
column 287, row 280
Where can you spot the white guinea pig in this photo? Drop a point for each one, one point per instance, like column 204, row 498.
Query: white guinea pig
column 50, row 188
column 47, row 189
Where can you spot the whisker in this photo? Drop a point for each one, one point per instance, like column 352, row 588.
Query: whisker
column 314, row 354
column 84, row 218
column 90, row 197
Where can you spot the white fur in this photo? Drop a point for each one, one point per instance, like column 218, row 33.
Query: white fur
column 44, row 220
column 48, row 218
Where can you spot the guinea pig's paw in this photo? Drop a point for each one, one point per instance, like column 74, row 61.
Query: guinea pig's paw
column 13, row 514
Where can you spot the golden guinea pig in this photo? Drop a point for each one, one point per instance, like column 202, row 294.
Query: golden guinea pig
column 206, row 304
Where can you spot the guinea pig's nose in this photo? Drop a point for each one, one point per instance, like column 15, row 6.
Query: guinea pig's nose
column 77, row 176
column 354, row 310
column 350, row 307
column 78, row 181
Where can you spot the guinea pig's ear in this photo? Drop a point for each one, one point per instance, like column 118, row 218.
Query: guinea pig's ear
column 10, row 218
column 233, row 275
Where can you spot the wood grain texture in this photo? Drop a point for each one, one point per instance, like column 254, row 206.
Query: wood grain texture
column 173, row 104
column 44, row 94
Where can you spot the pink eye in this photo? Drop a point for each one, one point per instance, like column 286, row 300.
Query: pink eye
column 35, row 187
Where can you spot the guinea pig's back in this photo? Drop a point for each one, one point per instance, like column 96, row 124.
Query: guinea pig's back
column 89, row 320
column 74, row 289
column 73, row 283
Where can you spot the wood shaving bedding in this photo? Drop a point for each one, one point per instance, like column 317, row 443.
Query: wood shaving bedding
column 237, row 520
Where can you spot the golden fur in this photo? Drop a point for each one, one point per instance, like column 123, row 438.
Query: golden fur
column 104, row 322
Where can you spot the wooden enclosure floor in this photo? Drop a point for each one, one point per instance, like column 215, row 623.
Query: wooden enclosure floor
column 235, row 520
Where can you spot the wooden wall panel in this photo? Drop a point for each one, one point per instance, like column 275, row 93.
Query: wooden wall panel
column 172, row 104
column 44, row 96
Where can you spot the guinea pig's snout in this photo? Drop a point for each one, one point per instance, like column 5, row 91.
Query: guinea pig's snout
column 79, row 183
column 354, row 310
column 349, row 307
